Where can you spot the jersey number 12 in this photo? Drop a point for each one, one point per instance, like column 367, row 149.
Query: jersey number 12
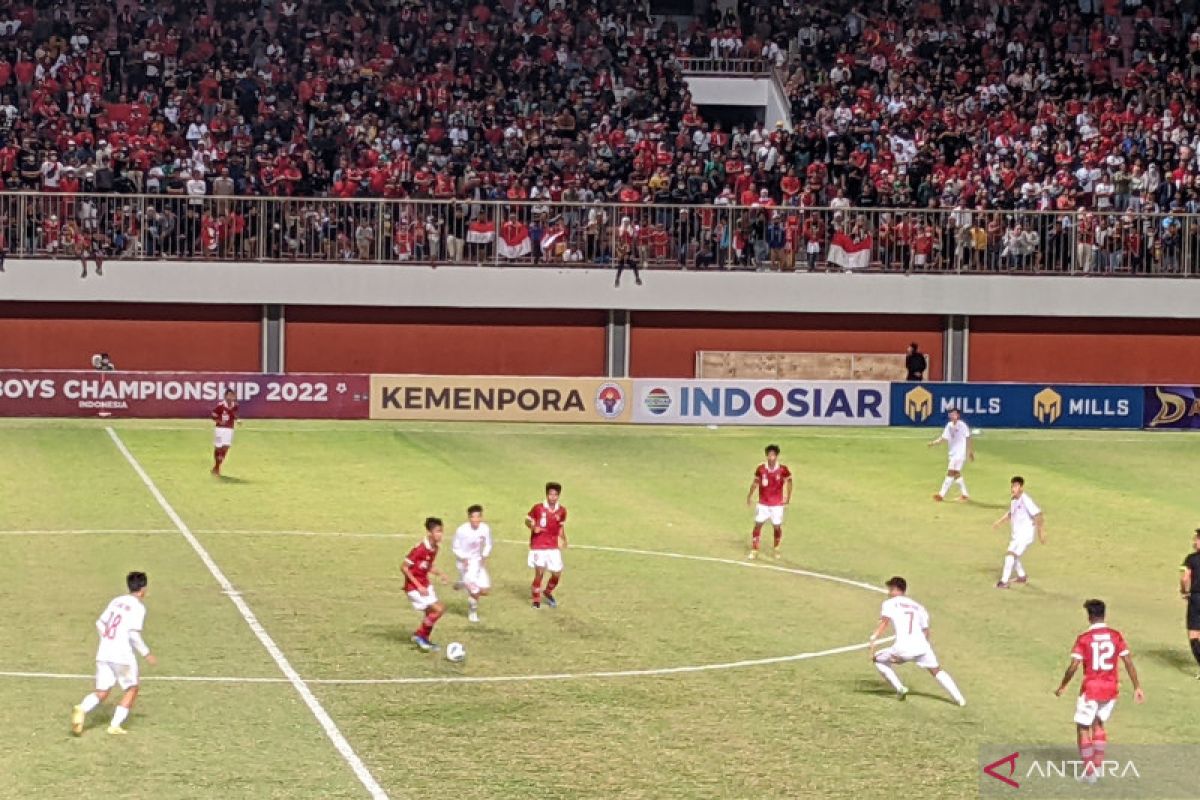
column 1102, row 656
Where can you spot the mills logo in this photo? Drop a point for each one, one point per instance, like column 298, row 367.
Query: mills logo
column 918, row 404
column 1047, row 406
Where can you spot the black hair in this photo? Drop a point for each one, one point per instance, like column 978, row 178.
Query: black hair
column 136, row 581
column 475, row 509
column 772, row 448
column 953, row 410
column 896, row 582
column 1095, row 609
column 1017, row 479
column 1198, row 533
column 431, row 523
column 553, row 487
column 229, row 391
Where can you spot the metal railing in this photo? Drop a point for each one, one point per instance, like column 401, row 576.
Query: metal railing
column 214, row 228
column 709, row 65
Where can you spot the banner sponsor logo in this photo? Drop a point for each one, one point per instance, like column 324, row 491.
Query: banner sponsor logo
column 510, row 399
column 1019, row 405
column 761, row 402
column 1172, row 407
column 180, row 394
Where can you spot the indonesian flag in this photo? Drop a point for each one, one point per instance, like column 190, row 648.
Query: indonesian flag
column 514, row 240
column 849, row 253
column 481, row 232
column 556, row 234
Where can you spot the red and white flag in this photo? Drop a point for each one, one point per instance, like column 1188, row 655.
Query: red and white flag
column 849, row 253
column 514, row 241
column 481, row 232
column 554, row 235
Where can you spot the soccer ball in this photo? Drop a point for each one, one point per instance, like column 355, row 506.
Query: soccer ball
column 456, row 652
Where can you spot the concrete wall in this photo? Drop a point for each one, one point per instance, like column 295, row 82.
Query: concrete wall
column 164, row 282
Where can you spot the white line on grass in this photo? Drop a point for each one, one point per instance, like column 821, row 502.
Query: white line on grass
column 97, row 531
column 554, row 676
column 314, row 705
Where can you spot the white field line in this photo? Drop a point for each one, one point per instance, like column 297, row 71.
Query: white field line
column 95, row 531
column 314, row 705
column 553, row 676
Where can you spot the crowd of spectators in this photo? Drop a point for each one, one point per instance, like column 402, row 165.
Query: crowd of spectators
column 1067, row 105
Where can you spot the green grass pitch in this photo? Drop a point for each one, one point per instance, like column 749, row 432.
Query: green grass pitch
column 1119, row 510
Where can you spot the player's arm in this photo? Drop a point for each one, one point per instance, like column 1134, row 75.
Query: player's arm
column 562, row 535
column 970, row 446
column 1039, row 525
column 787, row 491
column 1185, row 582
column 531, row 524
column 753, row 491
column 1007, row 516
column 406, row 568
column 1068, row 676
column 1138, row 694
column 940, row 438
column 487, row 545
column 437, row 573
column 139, row 644
column 879, row 631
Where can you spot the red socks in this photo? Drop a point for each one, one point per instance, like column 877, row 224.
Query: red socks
column 1099, row 746
column 778, row 536
column 550, row 584
column 427, row 624
column 756, row 536
column 537, row 589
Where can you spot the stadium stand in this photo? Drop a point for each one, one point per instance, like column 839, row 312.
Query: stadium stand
column 960, row 135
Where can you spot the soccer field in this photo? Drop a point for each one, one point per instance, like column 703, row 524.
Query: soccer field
column 778, row 699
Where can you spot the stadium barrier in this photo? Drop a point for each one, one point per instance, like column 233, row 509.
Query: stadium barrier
column 541, row 231
column 1019, row 405
column 49, row 393
column 43, row 393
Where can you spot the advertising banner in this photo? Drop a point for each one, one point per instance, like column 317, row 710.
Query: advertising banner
column 1018, row 405
column 180, row 394
column 700, row 402
column 1172, row 407
column 500, row 399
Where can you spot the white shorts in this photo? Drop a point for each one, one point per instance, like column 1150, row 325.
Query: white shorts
column 1018, row 545
column 550, row 560
column 893, row 655
column 1088, row 711
column 222, row 437
column 109, row 674
column 420, row 602
column 474, row 574
column 956, row 463
column 772, row 513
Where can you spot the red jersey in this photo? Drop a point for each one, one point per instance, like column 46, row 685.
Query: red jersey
column 225, row 416
column 770, row 483
column 1100, row 648
column 548, row 523
column 420, row 561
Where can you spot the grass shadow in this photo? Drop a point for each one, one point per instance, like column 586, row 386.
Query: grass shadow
column 1174, row 658
column 232, row 480
column 883, row 690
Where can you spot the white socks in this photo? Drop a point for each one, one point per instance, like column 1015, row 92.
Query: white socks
column 890, row 675
column 1009, row 561
column 962, row 487
column 119, row 716
column 946, row 484
column 473, row 604
column 1020, row 569
column 89, row 702
column 950, row 686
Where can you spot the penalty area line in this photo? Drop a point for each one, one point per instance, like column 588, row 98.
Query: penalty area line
column 340, row 743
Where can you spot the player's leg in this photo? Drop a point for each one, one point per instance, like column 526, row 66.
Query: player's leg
column 951, row 476
column 1100, row 740
column 535, row 590
column 761, row 515
column 554, row 565
column 1193, row 627
column 1010, row 563
column 433, row 612
column 1022, row 575
column 122, row 711
column 777, row 524
column 98, row 258
column 1087, row 751
column 105, row 680
column 884, row 660
column 1194, row 642
column 962, row 488
column 947, row 683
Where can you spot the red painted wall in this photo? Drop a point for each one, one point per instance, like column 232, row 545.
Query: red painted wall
column 664, row 344
column 1084, row 350
column 137, row 336
column 445, row 341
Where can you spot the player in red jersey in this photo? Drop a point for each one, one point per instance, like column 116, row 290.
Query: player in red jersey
column 773, row 483
column 418, row 568
column 225, row 415
column 1098, row 649
column 547, row 539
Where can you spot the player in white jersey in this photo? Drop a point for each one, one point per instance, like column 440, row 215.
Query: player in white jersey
column 957, row 436
column 472, row 546
column 1027, row 522
column 120, row 629
column 910, row 621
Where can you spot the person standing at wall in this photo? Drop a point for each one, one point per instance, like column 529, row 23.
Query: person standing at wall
column 915, row 363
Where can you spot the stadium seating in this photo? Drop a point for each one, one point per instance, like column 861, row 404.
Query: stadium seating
column 953, row 135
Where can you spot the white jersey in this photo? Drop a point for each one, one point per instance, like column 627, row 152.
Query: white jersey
column 1021, row 512
column 471, row 543
column 909, row 620
column 120, row 629
column 956, row 435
